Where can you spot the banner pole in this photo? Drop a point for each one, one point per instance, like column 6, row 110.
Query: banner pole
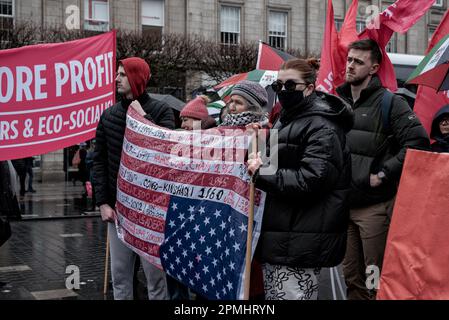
column 106, row 265
column 249, row 236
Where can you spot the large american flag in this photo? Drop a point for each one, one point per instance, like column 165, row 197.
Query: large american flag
column 183, row 203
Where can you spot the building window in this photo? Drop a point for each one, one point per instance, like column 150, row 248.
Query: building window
column 277, row 29
column 230, row 25
column 438, row 3
column 360, row 26
column 96, row 15
column 392, row 45
column 338, row 24
column 153, row 18
column 6, row 16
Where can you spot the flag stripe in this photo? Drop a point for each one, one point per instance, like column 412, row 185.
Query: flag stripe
column 143, row 246
column 221, row 151
column 151, row 223
column 226, row 196
column 150, row 237
column 235, row 138
column 182, row 163
column 144, row 194
column 140, row 206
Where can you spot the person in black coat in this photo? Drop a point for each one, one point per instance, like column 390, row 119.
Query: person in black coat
column 440, row 130
column 378, row 142
column 133, row 75
column 306, row 209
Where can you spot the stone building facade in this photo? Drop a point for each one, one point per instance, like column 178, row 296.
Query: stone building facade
column 285, row 24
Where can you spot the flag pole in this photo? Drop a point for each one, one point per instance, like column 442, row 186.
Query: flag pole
column 249, row 235
column 106, row 265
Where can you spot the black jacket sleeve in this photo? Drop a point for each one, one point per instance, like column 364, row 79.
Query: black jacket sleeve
column 318, row 170
column 166, row 118
column 100, row 165
column 408, row 132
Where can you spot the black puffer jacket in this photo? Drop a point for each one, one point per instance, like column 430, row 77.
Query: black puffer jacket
column 109, row 142
column 306, row 210
column 375, row 148
column 441, row 143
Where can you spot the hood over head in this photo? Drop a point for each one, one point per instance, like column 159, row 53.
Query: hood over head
column 138, row 72
column 435, row 131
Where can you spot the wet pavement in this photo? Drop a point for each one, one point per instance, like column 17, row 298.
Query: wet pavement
column 56, row 200
column 60, row 237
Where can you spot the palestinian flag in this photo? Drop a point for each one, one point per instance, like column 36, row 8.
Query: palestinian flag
column 264, row 77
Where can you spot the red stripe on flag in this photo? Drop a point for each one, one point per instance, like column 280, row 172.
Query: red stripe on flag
column 141, row 219
column 156, row 198
column 146, row 247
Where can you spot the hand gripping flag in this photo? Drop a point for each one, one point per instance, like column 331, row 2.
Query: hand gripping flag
column 189, row 192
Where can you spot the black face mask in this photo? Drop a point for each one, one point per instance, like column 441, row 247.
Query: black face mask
column 290, row 99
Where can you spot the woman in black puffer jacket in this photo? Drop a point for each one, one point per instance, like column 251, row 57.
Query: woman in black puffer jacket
column 306, row 210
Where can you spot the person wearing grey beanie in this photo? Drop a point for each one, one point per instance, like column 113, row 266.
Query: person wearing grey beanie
column 255, row 95
column 247, row 100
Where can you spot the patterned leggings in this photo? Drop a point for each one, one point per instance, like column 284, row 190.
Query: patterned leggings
column 290, row 283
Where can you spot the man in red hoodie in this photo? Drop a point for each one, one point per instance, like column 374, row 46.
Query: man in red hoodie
column 133, row 75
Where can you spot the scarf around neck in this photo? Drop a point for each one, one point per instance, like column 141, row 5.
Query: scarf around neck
column 242, row 119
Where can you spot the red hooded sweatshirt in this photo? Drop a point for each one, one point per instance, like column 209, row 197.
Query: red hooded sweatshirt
column 138, row 73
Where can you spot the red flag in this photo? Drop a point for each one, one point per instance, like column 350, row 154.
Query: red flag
column 346, row 36
column 440, row 32
column 270, row 58
column 325, row 81
column 428, row 101
column 334, row 49
column 415, row 262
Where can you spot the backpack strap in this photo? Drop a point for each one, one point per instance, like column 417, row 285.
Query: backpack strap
column 386, row 108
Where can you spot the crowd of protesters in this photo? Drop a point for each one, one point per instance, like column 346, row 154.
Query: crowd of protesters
column 331, row 197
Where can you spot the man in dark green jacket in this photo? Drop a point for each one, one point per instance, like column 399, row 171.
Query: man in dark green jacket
column 378, row 150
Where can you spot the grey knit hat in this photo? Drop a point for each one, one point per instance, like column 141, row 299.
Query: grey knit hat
column 253, row 92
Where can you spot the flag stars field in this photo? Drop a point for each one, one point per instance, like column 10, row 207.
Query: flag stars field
column 208, row 253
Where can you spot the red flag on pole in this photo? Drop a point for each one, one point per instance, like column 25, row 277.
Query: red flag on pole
column 428, row 101
column 415, row 262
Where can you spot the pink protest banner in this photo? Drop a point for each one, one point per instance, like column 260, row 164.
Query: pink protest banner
column 52, row 95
